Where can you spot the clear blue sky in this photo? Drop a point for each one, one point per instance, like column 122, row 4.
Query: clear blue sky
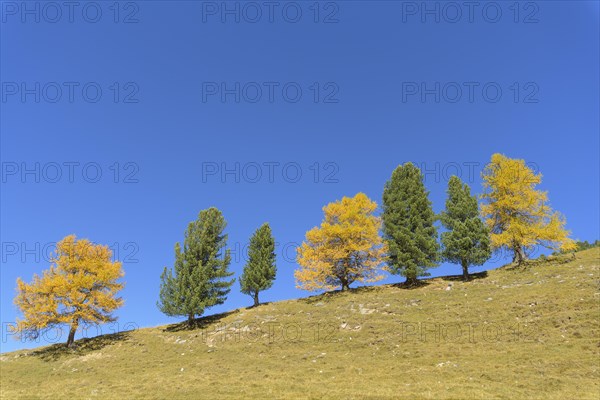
column 168, row 122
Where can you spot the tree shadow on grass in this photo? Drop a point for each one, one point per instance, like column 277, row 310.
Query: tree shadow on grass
column 199, row 323
column 80, row 347
column 328, row 296
column 250, row 307
column 421, row 283
column 472, row 277
column 555, row 259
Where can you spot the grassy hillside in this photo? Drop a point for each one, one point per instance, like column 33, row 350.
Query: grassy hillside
column 531, row 332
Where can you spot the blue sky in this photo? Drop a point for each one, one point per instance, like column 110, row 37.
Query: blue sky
column 119, row 124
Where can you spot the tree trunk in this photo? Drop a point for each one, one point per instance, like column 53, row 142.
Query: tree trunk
column 519, row 255
column 256, row 299
column 411, row 281
column 72, row 330
column 465, row 268
column 191, row 319
column 345, row 284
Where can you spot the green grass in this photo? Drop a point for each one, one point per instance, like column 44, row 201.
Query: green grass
column 543, row 342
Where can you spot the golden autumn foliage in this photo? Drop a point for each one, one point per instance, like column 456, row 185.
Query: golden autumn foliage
column 344, row 249
column 79, row 289
column 517, row 214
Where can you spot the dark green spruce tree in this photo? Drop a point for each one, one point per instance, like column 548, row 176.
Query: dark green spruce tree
column 408, row 224
column 467, row 240
column 259, row 271
column 199, row 279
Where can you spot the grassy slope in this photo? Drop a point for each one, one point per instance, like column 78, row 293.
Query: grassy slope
column 363, row 348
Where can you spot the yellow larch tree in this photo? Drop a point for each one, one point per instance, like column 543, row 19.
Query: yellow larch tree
column 346, row 247
column 517, row 214
column 79, row 289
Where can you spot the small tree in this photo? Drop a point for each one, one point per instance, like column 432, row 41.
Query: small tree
column 344, row 249
column 198, row 281
column 518, row 214
column 259, row 271
column 408, row 224
column 79, row 289
column 467, row 240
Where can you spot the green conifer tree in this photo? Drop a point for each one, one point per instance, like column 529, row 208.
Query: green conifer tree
column 408, row 224
column 467, row 239
column 200, row 271
column 259, row 271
